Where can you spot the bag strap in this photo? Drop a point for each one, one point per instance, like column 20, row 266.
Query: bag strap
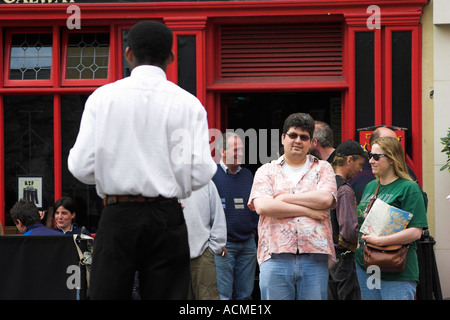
column 392, row 247
column 369, row 206
column 82, row 237
column 76, row 245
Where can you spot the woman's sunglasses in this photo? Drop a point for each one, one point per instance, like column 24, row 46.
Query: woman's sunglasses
column 293, row 136
column 376, row 156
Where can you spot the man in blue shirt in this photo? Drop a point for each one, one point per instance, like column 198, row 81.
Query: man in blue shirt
column 26, row 216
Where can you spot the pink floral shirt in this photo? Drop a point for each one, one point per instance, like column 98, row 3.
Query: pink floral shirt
column 292, row 235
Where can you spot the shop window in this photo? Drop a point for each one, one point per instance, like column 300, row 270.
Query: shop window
column 86, row 58
column 185, row 59
column 125, row 66
column 364, row 79
column 187, row 67
column 28, row 150
column 28, row 58
column 89, row 203
column 401, row 83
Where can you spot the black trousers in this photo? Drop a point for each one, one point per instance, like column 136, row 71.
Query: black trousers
column 342, row 281
column 150, row 238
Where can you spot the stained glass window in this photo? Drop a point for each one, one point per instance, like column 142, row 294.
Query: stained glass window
column 31, row 56
column 87, row 56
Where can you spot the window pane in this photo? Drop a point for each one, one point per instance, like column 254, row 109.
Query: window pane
column 401, row 83
column 89, row 204
column 187, row 68
column 87, row 56
column 364, row 79
column 125, row 66
column 28, row 147
column 31, row 56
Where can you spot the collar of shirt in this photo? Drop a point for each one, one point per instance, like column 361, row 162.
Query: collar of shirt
column 281, row 160
column 71, row 229
column 148, row 70
column 31, row 227
column 226, row 170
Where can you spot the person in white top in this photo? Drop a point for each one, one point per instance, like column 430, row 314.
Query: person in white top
column 144, row 143
column 207, row 231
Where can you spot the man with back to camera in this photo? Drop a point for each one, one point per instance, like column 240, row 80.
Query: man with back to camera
column 129, row 147
column 292, row 195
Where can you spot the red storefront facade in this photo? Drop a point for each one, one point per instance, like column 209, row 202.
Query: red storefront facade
column 351, row 63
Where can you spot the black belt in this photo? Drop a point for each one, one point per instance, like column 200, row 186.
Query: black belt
column 110, row 200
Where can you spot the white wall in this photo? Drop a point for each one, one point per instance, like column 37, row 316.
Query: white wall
column 441, row 20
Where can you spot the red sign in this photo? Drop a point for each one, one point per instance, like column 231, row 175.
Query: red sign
column 364, row 137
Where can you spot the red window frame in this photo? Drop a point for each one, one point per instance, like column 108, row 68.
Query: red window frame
column 7, row 61
column 65, row 48
column 415, row 161
column 189, row 27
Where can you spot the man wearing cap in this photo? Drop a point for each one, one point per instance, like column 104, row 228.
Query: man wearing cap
column 343, row 282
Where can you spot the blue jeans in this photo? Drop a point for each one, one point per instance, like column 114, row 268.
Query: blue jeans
column 384, row 290
column 236, row 271
column 287, row 276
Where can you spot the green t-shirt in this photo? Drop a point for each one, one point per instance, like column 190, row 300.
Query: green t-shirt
column 406, row 195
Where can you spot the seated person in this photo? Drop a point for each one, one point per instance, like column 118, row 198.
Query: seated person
column 26, row 216
column 65, row 212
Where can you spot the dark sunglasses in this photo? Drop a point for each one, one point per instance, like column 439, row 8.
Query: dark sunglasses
column 293, row 136
column 376, row 156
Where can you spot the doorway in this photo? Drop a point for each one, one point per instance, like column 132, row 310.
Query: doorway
column 263, row 114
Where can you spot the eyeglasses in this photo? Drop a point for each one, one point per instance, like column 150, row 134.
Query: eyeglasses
column 376, row 156
column 293, row 136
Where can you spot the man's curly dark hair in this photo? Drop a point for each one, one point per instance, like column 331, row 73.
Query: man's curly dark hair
column 151, row 42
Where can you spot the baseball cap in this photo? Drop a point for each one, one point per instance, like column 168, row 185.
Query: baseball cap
column 350, row 147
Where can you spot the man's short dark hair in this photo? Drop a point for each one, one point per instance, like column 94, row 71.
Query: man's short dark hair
column 299, row 120
column 26, row 212
column 151, row 42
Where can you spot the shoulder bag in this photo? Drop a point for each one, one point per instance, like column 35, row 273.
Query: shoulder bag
column 390, row 259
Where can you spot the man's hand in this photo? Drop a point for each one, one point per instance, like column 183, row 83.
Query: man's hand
column 321, row 215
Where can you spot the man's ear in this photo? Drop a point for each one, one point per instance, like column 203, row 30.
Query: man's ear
column 20, row 226
column 349, row 160
column 128, row 54
column 171, row 58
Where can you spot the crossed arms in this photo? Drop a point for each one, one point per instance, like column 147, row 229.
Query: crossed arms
column 313, row 204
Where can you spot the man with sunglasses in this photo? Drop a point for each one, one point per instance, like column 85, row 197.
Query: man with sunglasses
column 292, row 195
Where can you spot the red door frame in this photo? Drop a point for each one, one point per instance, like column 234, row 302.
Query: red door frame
column 200, row 19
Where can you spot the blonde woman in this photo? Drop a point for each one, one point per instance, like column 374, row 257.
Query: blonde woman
column 397, row 189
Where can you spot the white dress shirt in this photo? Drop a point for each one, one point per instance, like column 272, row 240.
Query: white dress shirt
column 143, row 135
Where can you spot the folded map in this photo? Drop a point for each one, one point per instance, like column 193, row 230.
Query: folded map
column 385, row 219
